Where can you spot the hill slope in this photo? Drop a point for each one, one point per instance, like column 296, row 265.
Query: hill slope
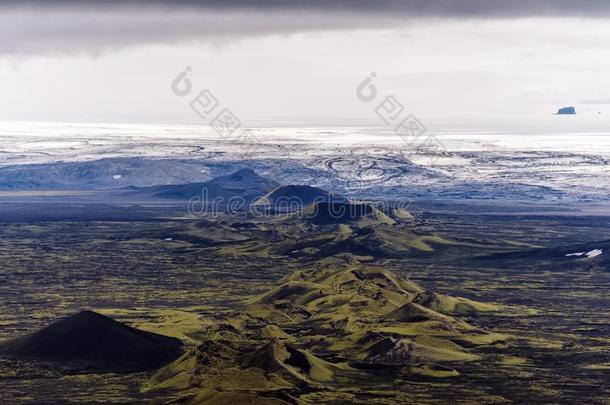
column 322, row 326
column 595, row 254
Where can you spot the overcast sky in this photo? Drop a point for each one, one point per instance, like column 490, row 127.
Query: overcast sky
column 114, row 61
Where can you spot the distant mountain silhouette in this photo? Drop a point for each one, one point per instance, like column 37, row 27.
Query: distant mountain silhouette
column 245, row 179
column 245, row 183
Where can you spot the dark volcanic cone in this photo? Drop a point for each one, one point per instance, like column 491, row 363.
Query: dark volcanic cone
column 297, row 197
column 325, row 213
column 94, row 342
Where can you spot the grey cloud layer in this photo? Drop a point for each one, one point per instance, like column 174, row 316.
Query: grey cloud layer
column 38, row 26
column 23, row 31
column 438, row 8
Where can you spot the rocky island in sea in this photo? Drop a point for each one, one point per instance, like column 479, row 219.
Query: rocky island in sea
column 567, row 111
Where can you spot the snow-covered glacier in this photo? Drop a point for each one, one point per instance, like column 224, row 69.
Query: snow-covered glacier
column 552, row 160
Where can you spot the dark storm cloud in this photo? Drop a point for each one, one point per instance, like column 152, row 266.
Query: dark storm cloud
column 36, row 26
column 436, row 8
